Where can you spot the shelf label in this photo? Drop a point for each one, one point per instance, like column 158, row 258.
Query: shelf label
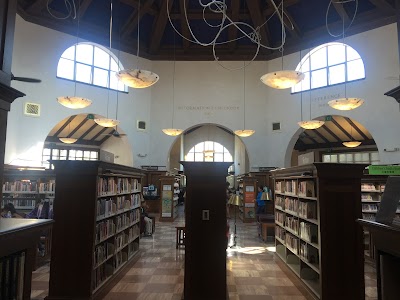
column 384, row 170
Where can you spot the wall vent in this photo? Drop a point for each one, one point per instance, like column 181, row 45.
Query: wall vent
column 32, row 109
column 141, row 125
column 276, row 126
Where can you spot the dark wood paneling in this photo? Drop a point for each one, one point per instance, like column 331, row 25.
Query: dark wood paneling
column 206, row 241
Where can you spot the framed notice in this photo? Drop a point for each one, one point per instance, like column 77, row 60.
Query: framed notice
column 248, row 197
column 249, row 188
column 167, row 187
column 166, row 203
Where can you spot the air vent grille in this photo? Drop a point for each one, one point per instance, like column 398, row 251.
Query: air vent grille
column 276, row 126
column 141, row 125
column 32, row 109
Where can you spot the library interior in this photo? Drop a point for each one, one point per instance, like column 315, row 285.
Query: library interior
column 200, row 149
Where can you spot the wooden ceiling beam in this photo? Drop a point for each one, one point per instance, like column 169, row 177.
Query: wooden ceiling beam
column 66, row 123
column 271, row 10
column 360, row 132
column 341, row 12
column 133, row 19
column 288, row 20
column 307, row 136
column 232, row 30
column 316, row 131
column 331, row 133
column 99, row 133
column 384, row 6
column 37, row 6
column 330, row 145
column 89, row 130
column 341, row 128
column 79, row 126
column 198, row 15
column 159, row 27
column 258, row 20
column 184, row 26
column 83, row 8
column 153, row 10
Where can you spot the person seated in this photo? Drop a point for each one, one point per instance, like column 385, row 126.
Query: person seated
column 148, row 222
column 41, row 211
column 9, row 211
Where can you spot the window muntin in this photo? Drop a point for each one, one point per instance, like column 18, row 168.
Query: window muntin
column 371, row 158
column 67, row 154
column 329, row 64
column 221, row 154
column 90, row 64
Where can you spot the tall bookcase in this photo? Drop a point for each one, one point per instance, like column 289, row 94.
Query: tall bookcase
column 96, row 231
column 317, row 237
column 247, row 193
column 169, row 203
column 24, row 189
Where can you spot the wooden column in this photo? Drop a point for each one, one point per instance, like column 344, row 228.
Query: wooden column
column 205, row 241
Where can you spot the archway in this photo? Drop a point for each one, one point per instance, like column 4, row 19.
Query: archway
column 325, row 144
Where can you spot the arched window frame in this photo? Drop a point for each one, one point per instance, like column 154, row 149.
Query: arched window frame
column 76, row 65
column 197, row 152
column 338, row 69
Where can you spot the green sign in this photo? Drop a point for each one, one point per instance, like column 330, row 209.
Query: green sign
column 328, row 118
column 90, row 117
column 384, row 170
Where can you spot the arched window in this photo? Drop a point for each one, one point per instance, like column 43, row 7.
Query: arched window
column 329, row 64
column 216, row 152
column 91, row 64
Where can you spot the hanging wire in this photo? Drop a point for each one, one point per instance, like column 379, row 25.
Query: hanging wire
column 244, row 95
column 138, row 35
column 173, row 85
column 70, row 9
column 352, row 20
column 77, row 13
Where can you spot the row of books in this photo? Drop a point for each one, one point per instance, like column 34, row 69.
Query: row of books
column 280, row 232
column 292, row 243
column 308, row 253
column 12, row 276
column 292, row 223
column 303, row 188
column 20, row 202
column 105, row 250
column 20, row 186
column 373, row 187
column 110, row 206
column 117, row 185
column 291, row 204
column 308, row 210
column 107, row 269
column 370, row 207
column 280, row 202
column 370, row 197
column 309, row 232
column 280, row 217
column 126, row 219
column 49, row 186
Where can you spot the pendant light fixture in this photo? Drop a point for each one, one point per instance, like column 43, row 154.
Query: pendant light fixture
column 137, row 78
column 345, row 103
column 106, row 122
column 244, row 132
column 75, row 102
column 68, row 140
column 283, row 79
column 310, row 124
column 173, row 131
column 352, row 143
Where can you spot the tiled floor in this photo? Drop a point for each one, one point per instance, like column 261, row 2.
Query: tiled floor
column 253, row 271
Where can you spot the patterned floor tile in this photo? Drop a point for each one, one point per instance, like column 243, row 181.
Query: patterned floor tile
column 253, row 270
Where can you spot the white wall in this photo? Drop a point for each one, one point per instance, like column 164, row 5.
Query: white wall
column 36, row 53
column 205, row 93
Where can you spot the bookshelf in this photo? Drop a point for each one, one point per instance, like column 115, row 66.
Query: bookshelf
column 169, row 203
column 25, row 188
column 316, row 234
column 247, row 193
column 18, row 240
column 97, row 227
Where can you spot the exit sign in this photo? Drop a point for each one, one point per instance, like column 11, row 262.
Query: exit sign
column 328, row 118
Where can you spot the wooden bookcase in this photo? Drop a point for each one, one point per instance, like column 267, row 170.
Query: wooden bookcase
column 316, row 234
column 24, row 189
column 18, row 240
column 97, row 229
column 247, row 193
column 372, row 188
column 168, row 209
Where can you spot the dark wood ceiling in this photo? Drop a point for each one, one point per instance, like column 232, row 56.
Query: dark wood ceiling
column 333, row 133
column 304, row 21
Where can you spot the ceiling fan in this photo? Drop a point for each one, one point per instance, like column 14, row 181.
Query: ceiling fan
column 25, row 79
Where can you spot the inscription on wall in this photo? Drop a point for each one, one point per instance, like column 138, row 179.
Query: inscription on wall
column 322, row 101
